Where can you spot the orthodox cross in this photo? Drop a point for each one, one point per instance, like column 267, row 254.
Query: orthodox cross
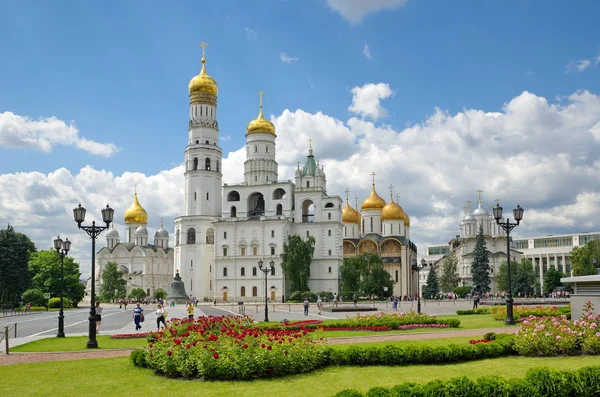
column 203, row 44
column 347, row 196
column 479, row 195
column 391, row 192
column 260, row 94
column 465, row 210
column 310, row 144
column 373, row 175
column 397, row 198
column 468, row 205
column 356, row 200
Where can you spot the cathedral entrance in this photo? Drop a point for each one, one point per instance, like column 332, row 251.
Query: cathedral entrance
column 225, row 296
column 272, row 296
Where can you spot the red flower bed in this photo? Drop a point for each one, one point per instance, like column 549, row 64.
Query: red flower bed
column 133, row 336
column 476, row 341
column 300, row 322
column 366, row 328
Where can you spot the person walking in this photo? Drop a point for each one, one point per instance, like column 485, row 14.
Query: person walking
column 161, row 315
column 190, row 310
column 319, row 304
column 98, row 316
column 306, row 306
column 138, row 317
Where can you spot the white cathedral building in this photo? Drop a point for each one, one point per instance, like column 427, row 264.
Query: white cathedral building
column 227, row 229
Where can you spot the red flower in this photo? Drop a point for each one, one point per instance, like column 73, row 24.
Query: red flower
column 216, row 356
column 245, row 346
column 151, row 345
column 262, row 345
column 188, row 346
column 169, row 352
column 269, row 347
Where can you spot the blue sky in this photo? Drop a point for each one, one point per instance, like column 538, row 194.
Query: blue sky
column 439, row 98
column 120, row 70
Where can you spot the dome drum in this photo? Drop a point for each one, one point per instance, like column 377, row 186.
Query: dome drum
column 203, row 98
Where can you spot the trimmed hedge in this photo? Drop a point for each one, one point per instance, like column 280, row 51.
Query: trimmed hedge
column 481, row 310
column 539, row 382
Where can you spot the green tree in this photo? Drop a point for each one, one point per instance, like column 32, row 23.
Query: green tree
column 378, row 280
column 501, row 276
column 44, row 268
column 112, row 281
column 160, row 293
column 524, row 279
column 295, row 261
column 137, row 294
column 34, row 296
column 355, row 270
column 552, row 280
column 15, row 250
column 582, row 259
column 431, row 287
column 449, row 278
column 480, row 267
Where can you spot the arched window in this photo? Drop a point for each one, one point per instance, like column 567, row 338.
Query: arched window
column 307, row 183
column 177, row 237
column 217, row 165
column 233, row 196
column 308, row 211
column 254, row 271
column 207, row 164
column 191, row 236
column 243, row 271
column 273, row 271
column 329, row 205
column 279, row 209
column 243, row 291
column 329, row 216
column 329, row 232
column 233, row 211
column 254, row 291
column 329, row 270
column 210, row 236
column 195, row 165
column 197, row 141
column 255, row 149
column 207, row 142
column 396, row 275
column 279, row 194
column 224, row 272
column 272, row 233
column 329, row 252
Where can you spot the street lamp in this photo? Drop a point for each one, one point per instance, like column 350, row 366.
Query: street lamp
column 62, row 248
column 266, row 271
column 93, row 231
column 508, row 226
column 418, row 269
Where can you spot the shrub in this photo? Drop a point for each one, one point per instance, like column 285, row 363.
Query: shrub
column 481, row 310
column 295, row 296
column 311, row 296
column 34, row 296
column 499, row 312
column 55, row 303
column 138, row 358
column 349, row 393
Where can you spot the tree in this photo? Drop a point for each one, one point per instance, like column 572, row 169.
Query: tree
column 355, row 270
column 552, row 280
column 377, row 281
column 34, row 296
column 160, row 293
column 137, row 294
column 431, row 287
column 582, row 259
column 295, row 261
column 449, row 278
column 501, row 276
column 15, row 250
column 111, row 282
column 480, row 267
column 524, row 279
column 44, row 268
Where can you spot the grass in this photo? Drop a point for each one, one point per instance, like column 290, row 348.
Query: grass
column 77, row 343
column 459, row 340
column 118, row 377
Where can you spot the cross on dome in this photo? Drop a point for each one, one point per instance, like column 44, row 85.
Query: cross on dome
column 203, row 45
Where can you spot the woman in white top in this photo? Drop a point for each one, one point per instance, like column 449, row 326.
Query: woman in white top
column 160, row 316
column 98, row 316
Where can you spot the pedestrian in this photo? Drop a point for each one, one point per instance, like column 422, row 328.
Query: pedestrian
column 190, row 310
column 161, row 315
column 319, row 304
column 354, row 299
column 125, row 304
column 395, row 304
column 120, row 304
column 138, row 317
column 98, row 316
column 306, row 306
column 475, row 301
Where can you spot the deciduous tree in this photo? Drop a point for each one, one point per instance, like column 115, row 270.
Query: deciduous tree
column 112, row 281
column 295, row 261
column 449, row 278
column 44, row 268
column 15, row 250
column 552, row 280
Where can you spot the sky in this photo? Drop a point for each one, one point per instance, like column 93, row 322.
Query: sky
column 438, row 98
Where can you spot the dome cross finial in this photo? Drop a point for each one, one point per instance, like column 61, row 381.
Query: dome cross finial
column 397, row 199
column 373, row 174
column 479, row 191
column 260, row 94
column 310, row 144
column 391, row 192
column 203, row 45
column 356, row 201
column 469, row 205
column 347, row 196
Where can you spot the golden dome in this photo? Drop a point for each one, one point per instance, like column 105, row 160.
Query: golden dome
column 136, row 213
column 393, row 211
column 203, row 83
column 350, row 215
column 373, row 202
column 260, row 124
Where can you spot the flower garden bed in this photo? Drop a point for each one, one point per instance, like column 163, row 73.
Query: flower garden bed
column 499, row 312
column 133, row 336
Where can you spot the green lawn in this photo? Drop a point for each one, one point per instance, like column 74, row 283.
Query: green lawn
column 118, row 377
column 77, row 343
column 459, row 340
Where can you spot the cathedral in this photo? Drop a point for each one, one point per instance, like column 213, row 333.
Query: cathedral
column 383, row 229
column 143, row 265
column 228, row 228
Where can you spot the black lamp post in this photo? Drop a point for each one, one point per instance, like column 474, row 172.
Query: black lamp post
column 508, row 226
column 418, row 269
column 266, row 271
column 62, row 247
column 93, row 231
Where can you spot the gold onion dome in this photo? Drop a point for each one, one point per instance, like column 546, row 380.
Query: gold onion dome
column 393, row 211
column 373, row 202
column 260, row 124
column 136, row 213
column 203, row 83
column 350, row 215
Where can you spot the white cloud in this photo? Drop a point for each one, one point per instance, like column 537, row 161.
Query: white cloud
column 366, row 100
column 43, row 134
column 544, row 156
column 287, row 59
column 367, row 52
column 354, row 11
column 582, row 64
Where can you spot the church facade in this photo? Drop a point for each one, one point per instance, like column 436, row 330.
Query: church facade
column 228, row 228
